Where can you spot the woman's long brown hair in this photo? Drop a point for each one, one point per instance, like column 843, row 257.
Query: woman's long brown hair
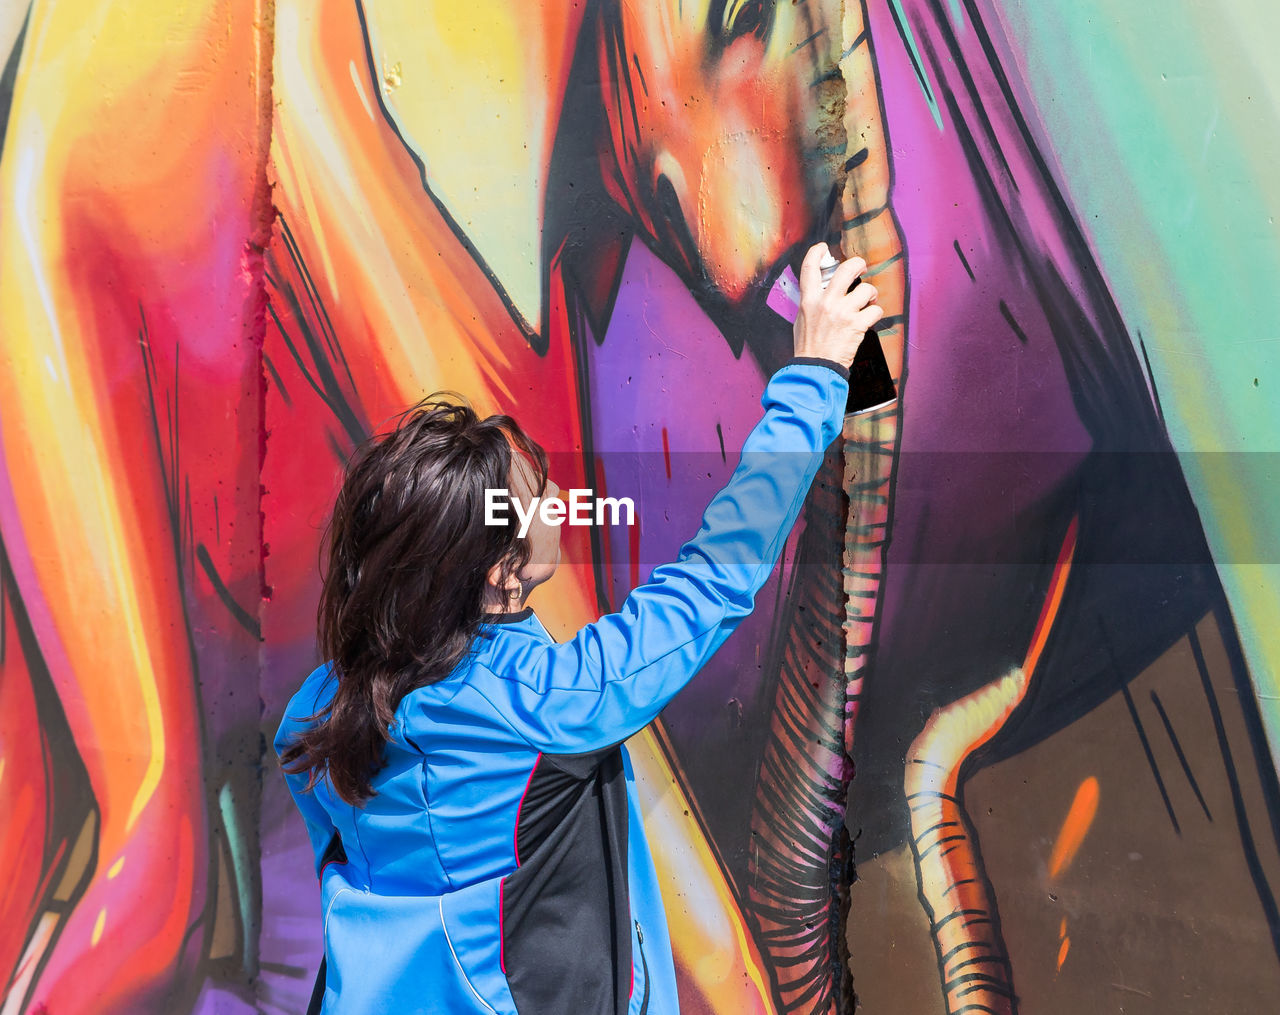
column 408, row 553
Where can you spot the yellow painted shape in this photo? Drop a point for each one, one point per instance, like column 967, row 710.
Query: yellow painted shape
column 474, row 90
column 708, row 931
column 98, row 926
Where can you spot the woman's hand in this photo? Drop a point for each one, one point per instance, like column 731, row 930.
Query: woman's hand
column 833, row 321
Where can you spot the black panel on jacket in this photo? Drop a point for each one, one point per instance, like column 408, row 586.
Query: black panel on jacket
column 566, row 915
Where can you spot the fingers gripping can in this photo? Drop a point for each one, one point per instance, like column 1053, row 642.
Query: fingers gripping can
column 870, row 383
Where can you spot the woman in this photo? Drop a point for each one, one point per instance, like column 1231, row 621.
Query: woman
column 461, row 774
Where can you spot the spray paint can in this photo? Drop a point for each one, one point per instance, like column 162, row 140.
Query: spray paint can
column 870, row 383
column 827, row 266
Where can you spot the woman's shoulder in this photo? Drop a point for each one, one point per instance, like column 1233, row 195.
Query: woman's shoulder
column 315, row 693
column 428, row 706
column 472, row 702
column 308, row 701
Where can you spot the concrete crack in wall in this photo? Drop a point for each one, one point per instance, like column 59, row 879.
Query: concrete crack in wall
column 253, row 263
column 871, row 440
column 801, row 863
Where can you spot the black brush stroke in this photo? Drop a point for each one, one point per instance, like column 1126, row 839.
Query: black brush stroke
column 330, row 393
column 971, row 90
column 9, row 76
column 636, row 60
column 1007, row 314
column 1246, row 695
column 1177, row 749
column 313, row 297
column 964, row 260
column 807, row 42
column 1151, row 758
column 1151, row 377
column 1265, row 896
column 243, row 616
column 277, row 380
column 337, row 399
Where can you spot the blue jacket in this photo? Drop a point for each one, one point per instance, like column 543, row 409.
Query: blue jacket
column 502, row 865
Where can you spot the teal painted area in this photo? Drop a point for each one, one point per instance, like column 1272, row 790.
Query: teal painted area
column 240, row 860
column 1164, row 121
column 922, row 74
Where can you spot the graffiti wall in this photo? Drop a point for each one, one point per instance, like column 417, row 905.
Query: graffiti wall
column 1001, row 733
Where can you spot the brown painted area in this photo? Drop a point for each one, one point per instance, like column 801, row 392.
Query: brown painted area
column 894, row 966
column 1159, row 920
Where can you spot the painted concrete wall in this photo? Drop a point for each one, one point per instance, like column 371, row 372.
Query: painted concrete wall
column 1000, row 733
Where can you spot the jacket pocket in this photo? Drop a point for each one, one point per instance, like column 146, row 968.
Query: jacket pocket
column 470, row 921
column 412, row 955
column 643, row 974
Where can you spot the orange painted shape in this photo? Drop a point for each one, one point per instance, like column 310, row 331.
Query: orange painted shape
column 1044, row 624
column 1079, row 819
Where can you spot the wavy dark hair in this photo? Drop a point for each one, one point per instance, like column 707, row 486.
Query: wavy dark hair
column 407, row 553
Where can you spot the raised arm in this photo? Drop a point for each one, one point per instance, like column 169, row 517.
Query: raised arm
column 616, row 674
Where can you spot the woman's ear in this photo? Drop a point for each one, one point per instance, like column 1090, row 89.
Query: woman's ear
column 499, row 588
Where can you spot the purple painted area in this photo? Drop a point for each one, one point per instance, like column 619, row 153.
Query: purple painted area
column 292, row 942
column 665, row 366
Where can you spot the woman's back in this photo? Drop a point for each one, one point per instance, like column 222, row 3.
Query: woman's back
column 512, row 861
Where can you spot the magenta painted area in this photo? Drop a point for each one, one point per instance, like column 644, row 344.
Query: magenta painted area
column 972, row 384
column 991, row 431
column 998, row 403
column 784, row 296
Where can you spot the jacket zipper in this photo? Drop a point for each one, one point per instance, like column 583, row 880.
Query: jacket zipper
column 644, row 966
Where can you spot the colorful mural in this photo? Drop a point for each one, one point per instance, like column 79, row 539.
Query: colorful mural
column 1001, row 732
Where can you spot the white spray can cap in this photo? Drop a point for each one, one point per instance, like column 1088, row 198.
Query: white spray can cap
column 827, row 266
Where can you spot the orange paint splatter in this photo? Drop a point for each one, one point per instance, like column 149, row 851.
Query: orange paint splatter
column 1079, row 818
column 1062, row 952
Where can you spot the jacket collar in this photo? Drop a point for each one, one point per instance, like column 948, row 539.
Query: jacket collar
column 509, row 618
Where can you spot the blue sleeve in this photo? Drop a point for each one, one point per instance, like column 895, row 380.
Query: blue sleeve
column 614, row 677
column 320, row 829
